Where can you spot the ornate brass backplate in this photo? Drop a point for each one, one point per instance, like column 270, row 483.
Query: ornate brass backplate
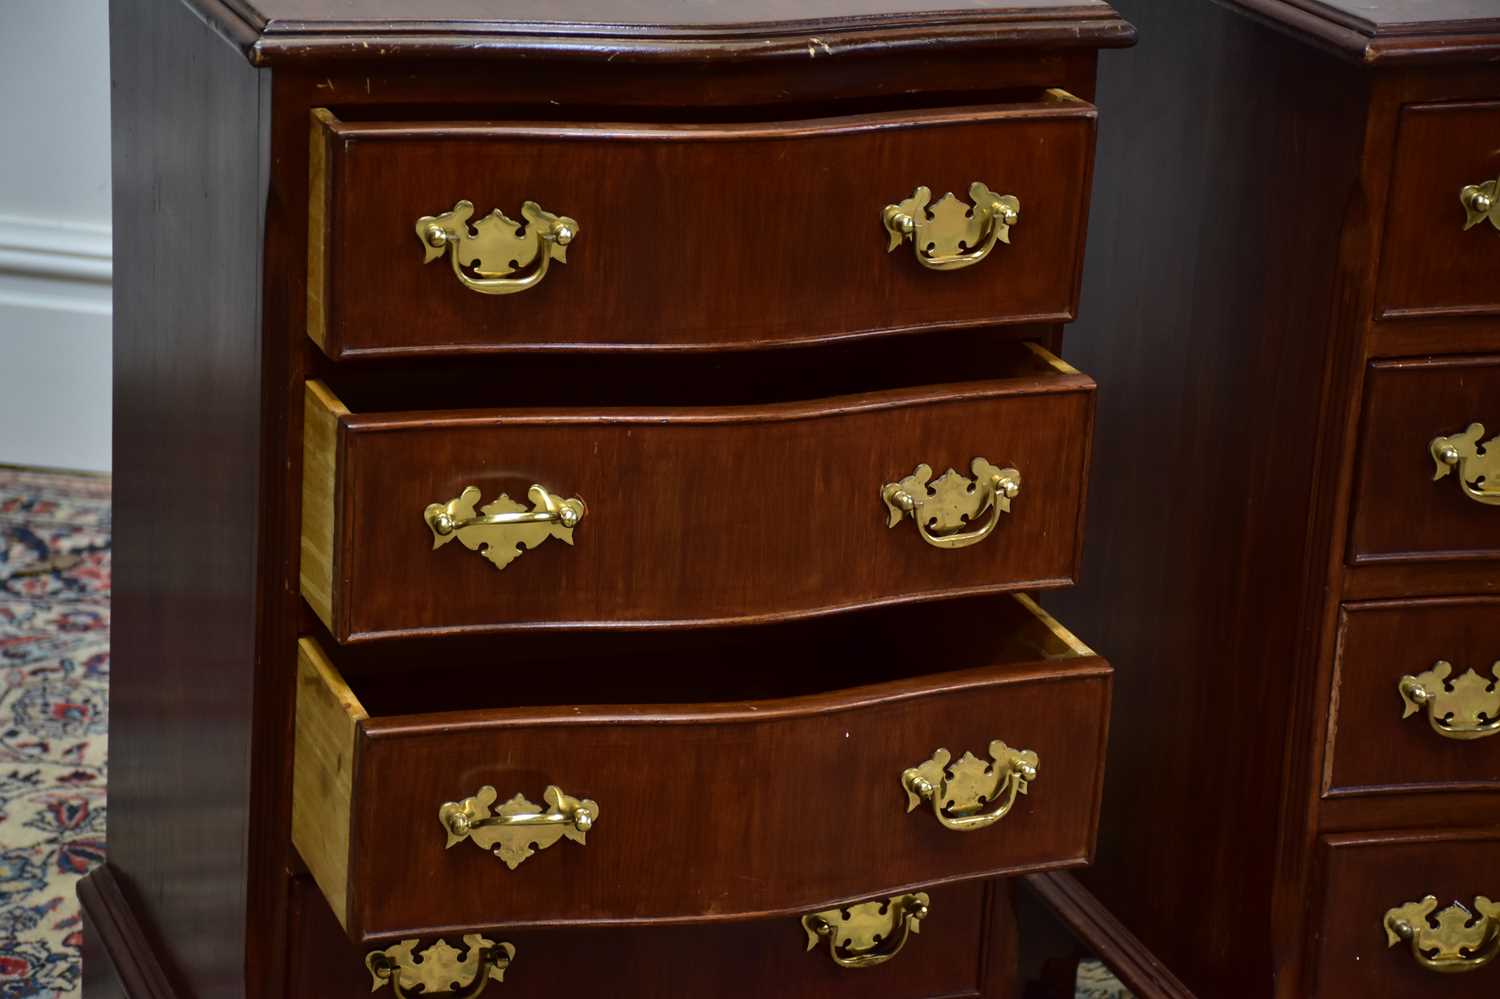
column 497, row 246
column 947, row 509
column 440, row 967
column 1481, row 202
column 1464, row 708
column 950, row 235
column 1477, row 465
column 1458, row 940
column 518, row 828
column 970, row 794
column 870, row 933
column 502, row 530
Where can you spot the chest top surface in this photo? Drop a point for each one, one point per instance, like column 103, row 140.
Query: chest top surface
column 1376, row 31
column 281, row 30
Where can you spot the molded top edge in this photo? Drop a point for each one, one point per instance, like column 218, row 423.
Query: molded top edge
column 1388, row 31
column 276, row 31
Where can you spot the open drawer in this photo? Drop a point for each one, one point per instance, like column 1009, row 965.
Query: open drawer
column 461, row 237
column 431, row 797
column 490, row 518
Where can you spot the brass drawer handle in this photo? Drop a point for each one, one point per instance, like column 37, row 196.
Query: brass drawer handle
column 441, row 967
column 518, row 828
column 1463, row 709
column 1481, row 201
column 501, row 530
column 950, row 235
column 942, row 508
column 960, row 793
column 1457, row 942
column 497, row 246
column 870, row 933
column 1478, row 465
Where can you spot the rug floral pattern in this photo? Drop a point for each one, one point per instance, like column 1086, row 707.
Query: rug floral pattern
column 54, row 685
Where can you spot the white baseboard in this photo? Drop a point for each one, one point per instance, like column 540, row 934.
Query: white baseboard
column 55, row 344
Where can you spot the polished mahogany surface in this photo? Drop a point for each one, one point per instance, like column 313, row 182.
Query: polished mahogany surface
column 767, row 233
column 1369, row 874
column 962, row 952
column 1401, row 513
column 763, row 806
column 213, row 354
column 1387, row 31
column 1373, row 749
column 1433, row 265
column 1257, row 465
column 675, row 534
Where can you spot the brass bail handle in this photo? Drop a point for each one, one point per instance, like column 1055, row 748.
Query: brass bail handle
column 1462, row 709
column 950, row 235
column 943, row 508
column 486, row 253
column 868, row 934
column 970, row 794
column 440, row 967
column 1476, row 465
column 503, row 529
column 1456, row 940
column 517, row 829
column 1481, row 203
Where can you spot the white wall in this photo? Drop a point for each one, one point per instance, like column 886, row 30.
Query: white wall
column 54, row 234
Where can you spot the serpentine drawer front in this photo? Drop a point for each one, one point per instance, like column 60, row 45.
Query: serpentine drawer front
column 1428, row 484
column 431, row 522
column 1442, row 240
column 589, row 248
column 980, row 755
column 1417, row 706
column 761, row 957
column 1409, row 915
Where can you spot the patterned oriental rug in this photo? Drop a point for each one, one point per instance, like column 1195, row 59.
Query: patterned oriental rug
column 54, row 688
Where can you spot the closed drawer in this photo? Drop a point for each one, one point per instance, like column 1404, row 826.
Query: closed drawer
column 1417, row 704
column 692, row 236
column 1412, row 501
column 801, row 794
column 961, row 952
column 1441, row 254
column 692, row 515
column 1375, row 881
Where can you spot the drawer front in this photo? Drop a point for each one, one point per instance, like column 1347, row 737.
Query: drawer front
column 699, row 812
column 961, row 951
column 1441, row 252
column 692, row 236
column 691, row 516
column 1367, row 876
column 1411, row 503
column 1417, row 704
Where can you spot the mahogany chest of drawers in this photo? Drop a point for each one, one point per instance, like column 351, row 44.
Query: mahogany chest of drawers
column 1295, row 547
column 536, row 568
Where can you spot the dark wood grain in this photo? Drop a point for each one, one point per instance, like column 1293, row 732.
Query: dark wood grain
column 1217, row 323
column 1372, row 747
column 675, row 534
column 763, row 806
column 1368, row 874
column 189, row 157
column 964, row 950
column 643, row 29
column 1432, row 264
column 682, row 265
column 1400, row 513
column 119, row 961
column 1106, row 938
column 1387, row 31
